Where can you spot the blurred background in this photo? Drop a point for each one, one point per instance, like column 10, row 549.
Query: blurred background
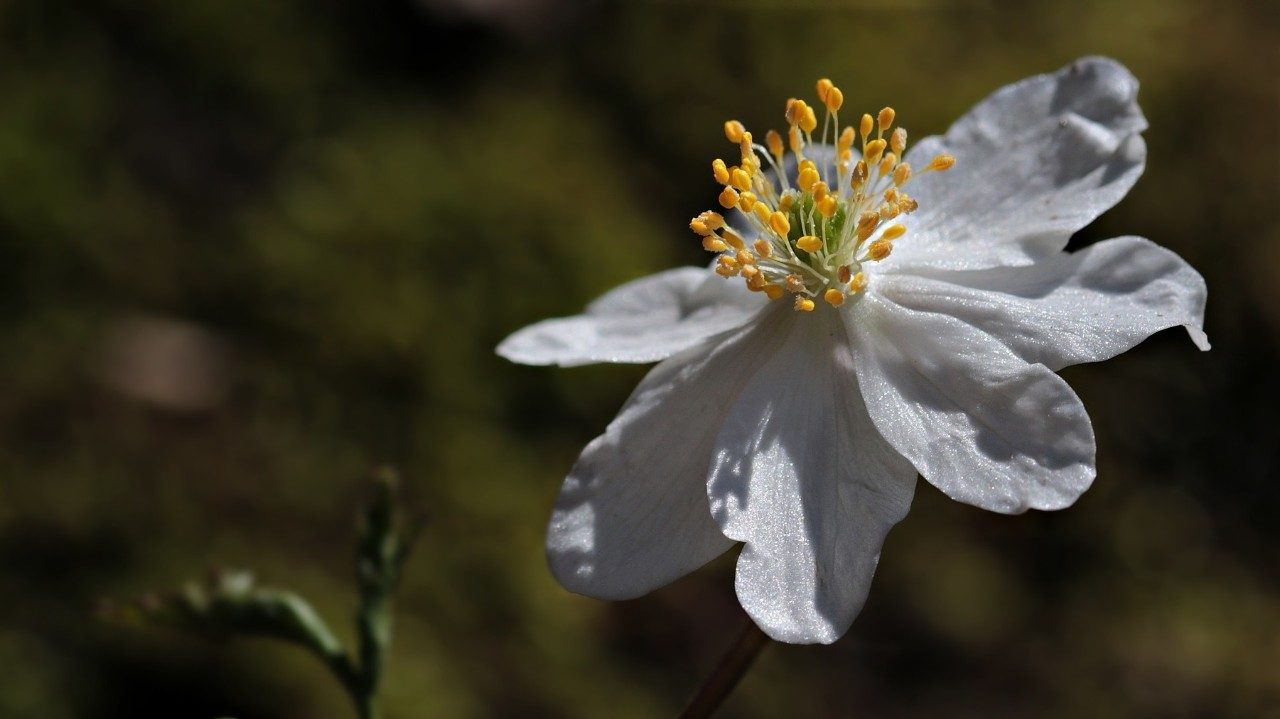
column 250, row 250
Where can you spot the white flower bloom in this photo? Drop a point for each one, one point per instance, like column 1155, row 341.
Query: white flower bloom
column 926, row 342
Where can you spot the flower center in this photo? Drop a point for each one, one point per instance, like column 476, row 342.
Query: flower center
column 816, row 228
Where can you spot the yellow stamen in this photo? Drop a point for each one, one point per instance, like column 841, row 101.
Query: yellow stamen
column 794, row 284
column 740, row 179
column 834, row 99
column 733, row 131
column 898, row 140
column 794, row 141
column 809, row 122
column 874, row 150
column 827, row 207
column 859, row 283
column 720, row 171
column 779, row 223
column 763, row 248
column 745, row 257
column 834, row 297
column 844, row 274
column 803, row 304
column 824, row 86
column 942, row 163
column 809, row 243
column 901, row 175
column 747, row 201
column 714, row 244
column 775, row 143
column 699, row 226
column 886, row 118
column 732, row 238
column 893, row 232
column 762, row 212
column 879, row 249
column 773, row 291
column 807, row 178
column 865, row 128
column 728, row 198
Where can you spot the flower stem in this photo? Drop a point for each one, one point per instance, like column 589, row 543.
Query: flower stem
column 733, row 665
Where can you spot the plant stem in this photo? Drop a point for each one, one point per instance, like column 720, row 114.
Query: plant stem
column 733, row 665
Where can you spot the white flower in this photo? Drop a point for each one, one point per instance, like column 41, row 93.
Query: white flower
column 927, row 342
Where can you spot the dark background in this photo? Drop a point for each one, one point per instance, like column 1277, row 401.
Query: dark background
column 250, row 249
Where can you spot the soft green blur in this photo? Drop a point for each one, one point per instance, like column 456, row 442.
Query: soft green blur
column 249, row 250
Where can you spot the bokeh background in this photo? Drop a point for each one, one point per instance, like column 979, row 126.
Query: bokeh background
column 250, row 249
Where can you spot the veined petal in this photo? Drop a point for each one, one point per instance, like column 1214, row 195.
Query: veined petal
column 1035, row 161
column 645, row 320
column 803, row 477
column 633, row 514
column 1070, row 308
column 976, row 420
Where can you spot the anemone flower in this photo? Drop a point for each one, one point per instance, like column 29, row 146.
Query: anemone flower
column 873, row 313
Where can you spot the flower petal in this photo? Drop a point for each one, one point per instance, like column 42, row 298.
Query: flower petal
column 1071, row 308
column 633, row 515
column 645, row 320
column 1035, row 161
column 977, row 421
column 803, row 477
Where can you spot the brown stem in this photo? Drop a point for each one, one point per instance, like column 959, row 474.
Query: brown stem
column 728, row 672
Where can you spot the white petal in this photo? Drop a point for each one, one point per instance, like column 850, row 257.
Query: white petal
column 1070, row 308
column 976, row 420
column 803, row 477
column 1035, row 162
column 633, row 514
column 646, row 320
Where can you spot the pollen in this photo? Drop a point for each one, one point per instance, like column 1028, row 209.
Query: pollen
column 846, row 212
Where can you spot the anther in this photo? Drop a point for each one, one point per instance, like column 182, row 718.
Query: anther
column 795, row 111
column 773, row 291
column 886, row 165
column 874, row 150
column 699, row 226
column 845, row 273
column 886, row 118
column 809, row 121
column 779, row 223
column 824, row 86
column 865, row 127
column 807, row 178
column 720, row 171
column 845, row 142
column 879, row 249
column 898, row 140
column 859, row 174
column 893, row 232
column 794, row 140
column 733, row 131
column 942, row 163
column 827, row 206
column 713, row 244
column 744, row 146
column 775, row 143
column 740, row 179
column 786, row 202
column 762, row 212
column 901, row 175
column 794, row 284
column 859, row 283
column 834, row 297
column 729, row 198
column 732, row 238
column 809, row 243
column 834, row 99
column 747, row 201
column 746, row 258
column 803, row 304
column 763, row 248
